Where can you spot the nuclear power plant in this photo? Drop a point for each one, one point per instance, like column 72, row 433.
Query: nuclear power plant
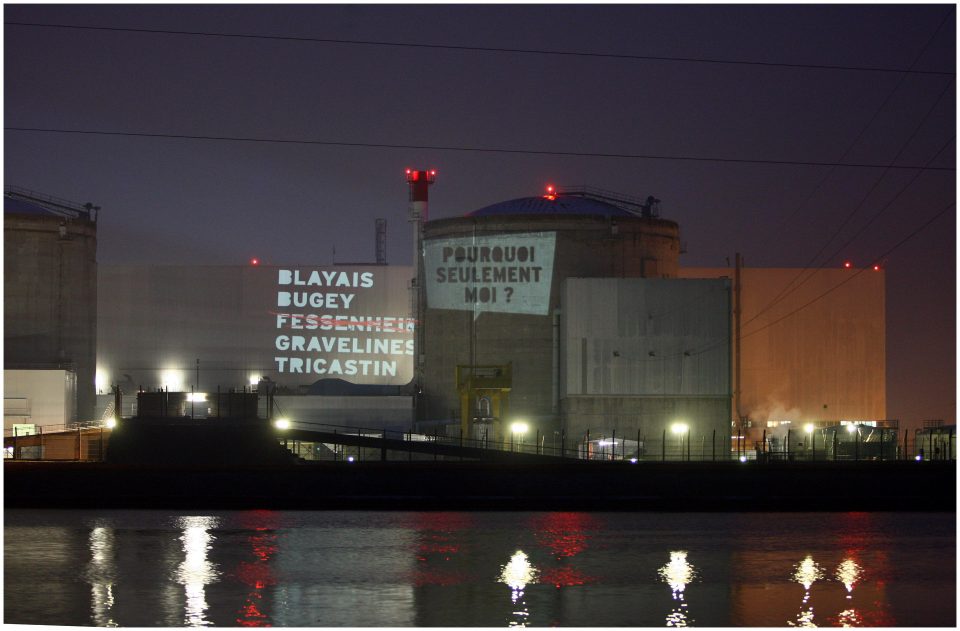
column 564, row 310
column 566, row 313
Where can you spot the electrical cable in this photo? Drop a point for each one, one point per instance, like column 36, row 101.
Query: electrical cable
column 485, row 49
column 864, row 129
column 849, row 278
column 541, row 152
column 855, row 274
column 789, row 288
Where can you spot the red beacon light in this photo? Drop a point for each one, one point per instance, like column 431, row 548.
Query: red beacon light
column 876, row 268
column 254, row 261
column 847, row 264
column 415, row 176
column 551, row 192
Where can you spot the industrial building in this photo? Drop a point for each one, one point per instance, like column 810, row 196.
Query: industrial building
column 50, row 309
column 815, row 353
column 570, row 295
column 568, row 312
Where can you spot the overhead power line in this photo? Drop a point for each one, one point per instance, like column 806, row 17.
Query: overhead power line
column 869, row 123
column 484, row 49
column 539, row 152
column 877, row 260
column 810, row 264
column 849, row 278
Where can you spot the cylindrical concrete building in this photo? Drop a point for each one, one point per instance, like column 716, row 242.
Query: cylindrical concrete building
column 50, row 289
column 494, row 279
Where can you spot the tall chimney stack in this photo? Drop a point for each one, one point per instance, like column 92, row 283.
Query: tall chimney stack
column 419, row 182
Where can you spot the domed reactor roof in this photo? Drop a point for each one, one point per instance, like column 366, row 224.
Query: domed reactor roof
column 581, row 201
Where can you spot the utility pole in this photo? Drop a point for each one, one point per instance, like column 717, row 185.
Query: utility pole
column 736, row 349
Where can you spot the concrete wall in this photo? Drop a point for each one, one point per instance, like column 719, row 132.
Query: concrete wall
column 641, row 354
column 39, row 397
column 813, row 356
column 585, row 247
column 50, row 298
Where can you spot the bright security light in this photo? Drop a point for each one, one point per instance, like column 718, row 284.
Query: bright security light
column 100, row 380
column 172, row 380
column 808, row 428
column 111, row 422
column 679, row 428
column 743, row 458
column 282, row 423
column 254, row 380
column 519, row 427
column 851, row 428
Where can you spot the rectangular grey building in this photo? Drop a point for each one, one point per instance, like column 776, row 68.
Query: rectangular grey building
column 641, row 354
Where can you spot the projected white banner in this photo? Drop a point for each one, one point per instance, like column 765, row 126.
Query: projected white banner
column 491, row 273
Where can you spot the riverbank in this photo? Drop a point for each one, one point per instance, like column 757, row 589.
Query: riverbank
column 575, row 485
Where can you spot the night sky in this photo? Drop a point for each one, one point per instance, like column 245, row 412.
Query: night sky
column 176, row 201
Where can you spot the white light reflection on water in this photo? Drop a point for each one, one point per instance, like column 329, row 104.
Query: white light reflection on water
column 196, row 571
column 678, row 573
column 100, row 574
column 807, row 572
column 517, row 574
column 848, row 573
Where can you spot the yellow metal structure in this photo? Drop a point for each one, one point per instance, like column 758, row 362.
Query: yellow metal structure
column 478, row 385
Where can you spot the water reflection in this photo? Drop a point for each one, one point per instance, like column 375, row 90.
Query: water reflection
column 357, row 569
column 807, row 572
column 565, row 535
column 848, row 573
column 439, row 544
column 678, row 573
column 195, row 572
column 517, row 574
column 101, row 574
column 857, row 537
column 257, row 575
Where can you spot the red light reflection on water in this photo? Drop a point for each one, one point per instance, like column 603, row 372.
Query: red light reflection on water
column 857, row 536
column 257, row 574
column 565, row 534
column 438, row 547
column 564, row 576
column 250, row 614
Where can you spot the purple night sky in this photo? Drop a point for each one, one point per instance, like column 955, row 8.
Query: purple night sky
column 170, row 201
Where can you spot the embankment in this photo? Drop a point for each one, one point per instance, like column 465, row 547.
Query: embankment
column 574, row 485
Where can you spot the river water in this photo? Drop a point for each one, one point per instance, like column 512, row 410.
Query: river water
column 360, row 569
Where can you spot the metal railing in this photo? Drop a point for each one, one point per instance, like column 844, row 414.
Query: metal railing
column 317, row 441
column 57, row 205
column 343, row 442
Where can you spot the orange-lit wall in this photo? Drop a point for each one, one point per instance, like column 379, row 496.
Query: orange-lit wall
column 825, row 361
